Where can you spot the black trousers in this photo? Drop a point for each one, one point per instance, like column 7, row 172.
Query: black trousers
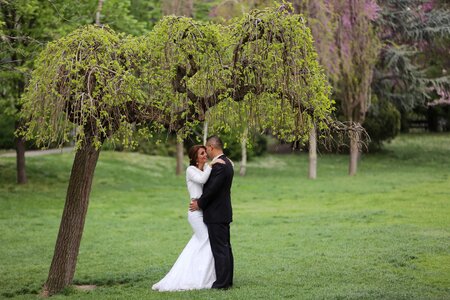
column 219, row 237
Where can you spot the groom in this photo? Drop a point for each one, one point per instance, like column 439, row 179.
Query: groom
column 217, row 213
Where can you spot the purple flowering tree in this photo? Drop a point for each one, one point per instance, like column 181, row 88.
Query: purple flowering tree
column 348, row 47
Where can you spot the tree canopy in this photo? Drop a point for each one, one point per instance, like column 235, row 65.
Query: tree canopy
column 103, row 84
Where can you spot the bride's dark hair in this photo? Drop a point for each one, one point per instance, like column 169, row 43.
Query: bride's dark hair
column 193, row 153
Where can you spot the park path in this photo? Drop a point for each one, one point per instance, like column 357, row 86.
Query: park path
column 39, row 152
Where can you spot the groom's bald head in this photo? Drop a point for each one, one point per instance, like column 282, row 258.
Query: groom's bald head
column 215, row 142
column 214, row 146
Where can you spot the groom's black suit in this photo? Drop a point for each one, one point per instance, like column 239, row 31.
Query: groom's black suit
column 217, row 215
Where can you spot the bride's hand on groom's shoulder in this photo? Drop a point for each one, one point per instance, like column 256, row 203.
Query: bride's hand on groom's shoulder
column 217, row 161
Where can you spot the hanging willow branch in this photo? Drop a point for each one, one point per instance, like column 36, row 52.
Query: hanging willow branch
column 79, row 84
column 340, row 133
column 276, row 78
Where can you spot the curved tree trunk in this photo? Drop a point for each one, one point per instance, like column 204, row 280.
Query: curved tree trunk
column 71, row 228
column 354, row 155
column 313, row 153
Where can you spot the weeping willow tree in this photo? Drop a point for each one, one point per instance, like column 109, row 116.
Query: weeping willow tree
column 94, row 85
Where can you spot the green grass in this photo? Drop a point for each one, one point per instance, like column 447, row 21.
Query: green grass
column 383, row 234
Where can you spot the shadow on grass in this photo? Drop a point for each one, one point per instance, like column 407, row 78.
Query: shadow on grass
column 29, row 290
column 129, row 279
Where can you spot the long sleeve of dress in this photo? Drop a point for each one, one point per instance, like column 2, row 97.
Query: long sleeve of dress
column 197, row 175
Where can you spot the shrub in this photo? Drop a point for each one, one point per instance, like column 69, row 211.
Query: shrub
column 6, row 132
column 382, row 123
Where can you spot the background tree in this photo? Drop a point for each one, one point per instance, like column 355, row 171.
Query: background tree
column 411, row 67
column 26, row 26
column 412, row 35
column 312, row 153
column 348, row 47
column 358, row 49
column 178, row 8
column 223, row 11
column 323, row 23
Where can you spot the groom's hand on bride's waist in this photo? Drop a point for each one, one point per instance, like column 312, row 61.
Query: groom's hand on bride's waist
column 194, row 205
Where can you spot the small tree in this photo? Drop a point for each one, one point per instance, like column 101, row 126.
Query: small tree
column 358, row 48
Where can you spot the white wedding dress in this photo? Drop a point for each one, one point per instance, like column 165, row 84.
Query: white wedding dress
column 194, row 268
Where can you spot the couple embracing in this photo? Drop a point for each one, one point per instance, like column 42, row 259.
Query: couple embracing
column 207, row 260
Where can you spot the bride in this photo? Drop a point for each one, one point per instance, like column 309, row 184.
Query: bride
column 194, row 268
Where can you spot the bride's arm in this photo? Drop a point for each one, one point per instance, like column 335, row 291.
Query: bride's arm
column 198, row 176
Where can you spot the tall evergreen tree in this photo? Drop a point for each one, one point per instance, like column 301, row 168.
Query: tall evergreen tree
column 410, row 29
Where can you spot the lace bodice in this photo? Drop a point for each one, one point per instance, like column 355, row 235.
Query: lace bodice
column 195, row 179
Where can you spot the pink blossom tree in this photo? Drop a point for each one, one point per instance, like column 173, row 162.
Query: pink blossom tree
column 348, row 47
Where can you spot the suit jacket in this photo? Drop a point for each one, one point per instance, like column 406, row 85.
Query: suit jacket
column 216, row 198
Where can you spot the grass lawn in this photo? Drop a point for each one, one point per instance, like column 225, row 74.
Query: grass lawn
column 383, row 234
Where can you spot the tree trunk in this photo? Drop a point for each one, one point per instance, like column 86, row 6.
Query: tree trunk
column 313, row 153
column 243, row 168
column 20, row 159
column 354, row 154
column 99, row 12
column 180, row 156
column 71, row 228
column 178, row 7
column 205, row 132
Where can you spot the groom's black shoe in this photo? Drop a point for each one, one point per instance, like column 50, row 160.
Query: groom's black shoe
column 222, row 288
